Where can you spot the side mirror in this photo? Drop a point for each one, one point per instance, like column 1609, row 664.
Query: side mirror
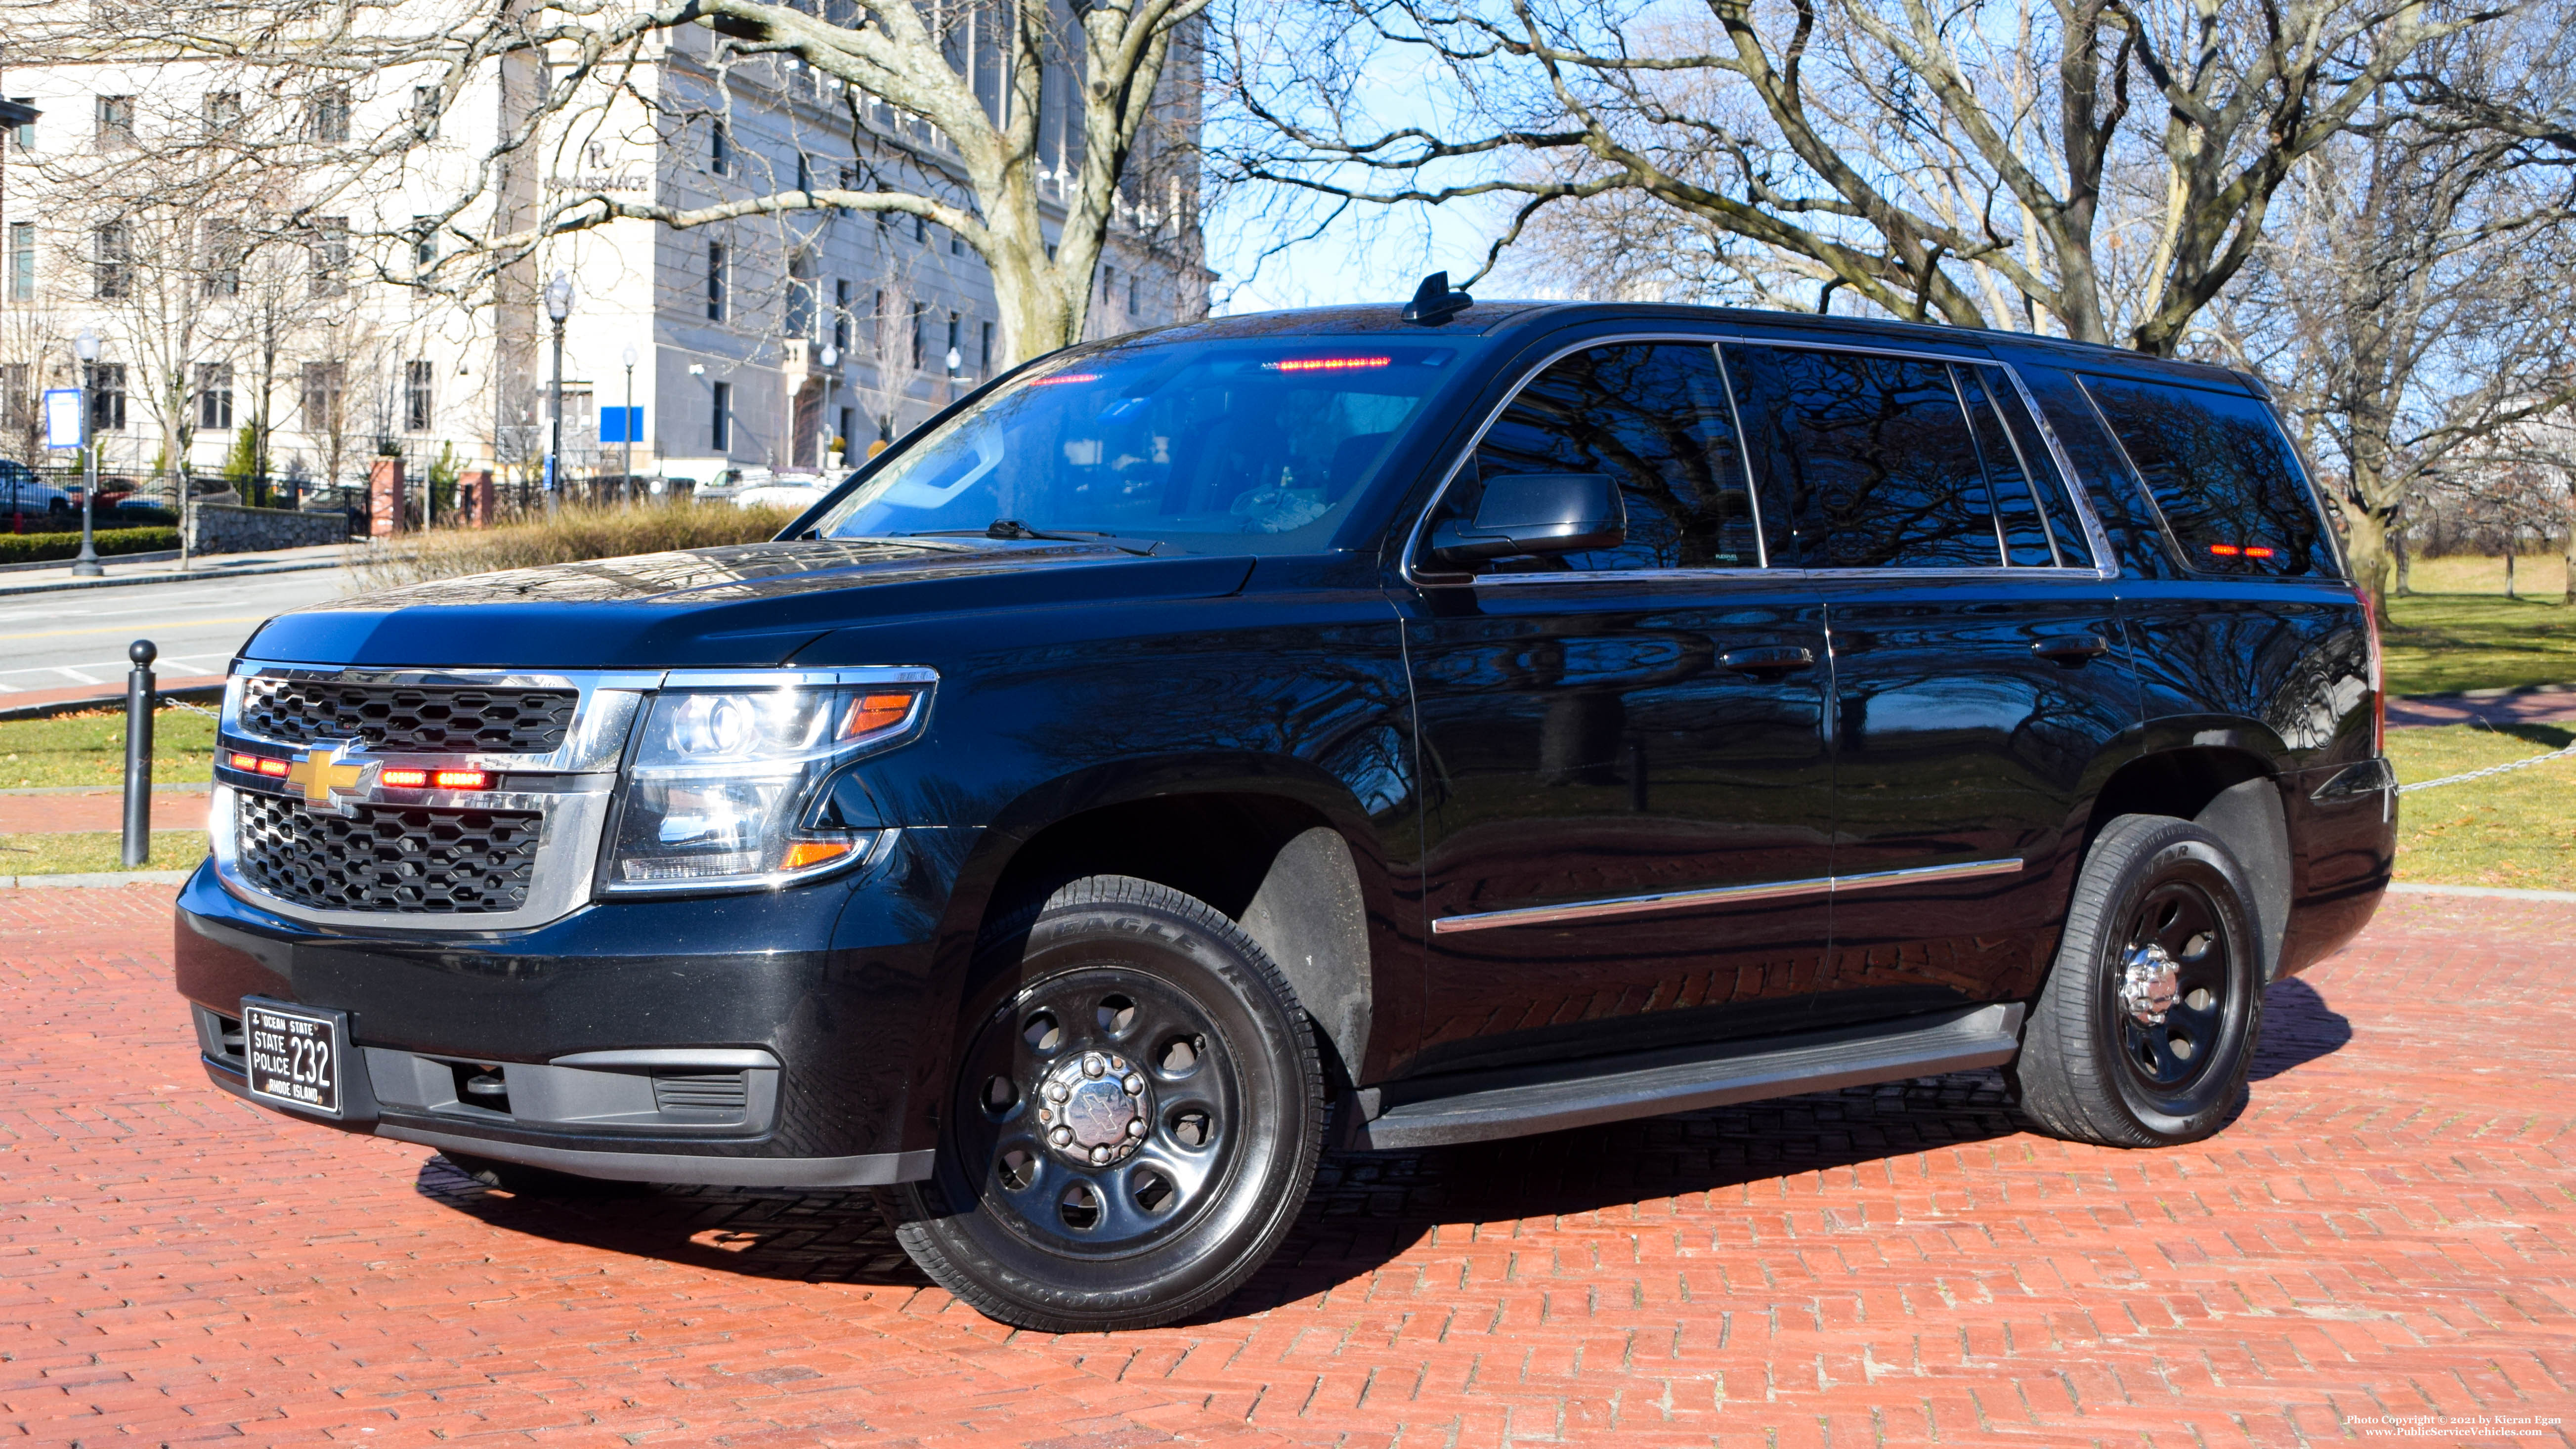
column 1535, row 513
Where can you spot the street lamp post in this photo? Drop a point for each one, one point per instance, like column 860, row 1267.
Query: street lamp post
column 87, row 565
column 558, row 307
column 626, row 433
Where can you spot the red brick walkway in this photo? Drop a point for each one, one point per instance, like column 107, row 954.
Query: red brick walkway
column 2387, row 1232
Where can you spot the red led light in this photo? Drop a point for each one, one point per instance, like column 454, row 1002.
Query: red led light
column 464, row 780
column 1064, row 377
column 1325, row 364
column 2225, row 550
column 245, row 762
column 2257, row 551
column 274, row 769
column 404, row 779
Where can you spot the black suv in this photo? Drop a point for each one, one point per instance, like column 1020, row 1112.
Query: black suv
column 1357, row 728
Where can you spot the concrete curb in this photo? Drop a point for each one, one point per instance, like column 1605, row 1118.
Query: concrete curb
column 84, row 880
column 2503, row 893
column 164, row 555
column 193, row 577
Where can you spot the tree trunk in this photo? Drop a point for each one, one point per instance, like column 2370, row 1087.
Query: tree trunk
column 2508, row 568
column 2569, row 561
column 2405, row 557
column 2367, row 546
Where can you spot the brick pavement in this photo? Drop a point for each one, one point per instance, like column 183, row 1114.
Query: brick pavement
column 2387, row 1231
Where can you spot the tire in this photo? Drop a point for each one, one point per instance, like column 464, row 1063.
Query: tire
column 1135, row 1119
column 520, row 1180
column 2099, row 1062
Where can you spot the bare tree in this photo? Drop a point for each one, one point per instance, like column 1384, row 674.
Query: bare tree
column 2410, row 299
column 2098, row 168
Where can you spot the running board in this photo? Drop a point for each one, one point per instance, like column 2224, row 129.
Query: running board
column 1552, row 1099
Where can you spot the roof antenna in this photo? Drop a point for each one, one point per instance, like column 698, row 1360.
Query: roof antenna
column 1433, row 303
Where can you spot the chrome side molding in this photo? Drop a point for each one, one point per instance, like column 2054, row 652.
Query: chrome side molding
column 1823, row 885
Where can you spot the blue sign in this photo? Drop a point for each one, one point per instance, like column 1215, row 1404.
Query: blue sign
column 621, row 425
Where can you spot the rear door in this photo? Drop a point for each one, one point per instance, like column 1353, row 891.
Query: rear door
column 1979, row 691
column 1626, row 790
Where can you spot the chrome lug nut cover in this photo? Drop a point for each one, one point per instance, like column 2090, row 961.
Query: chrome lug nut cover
column 2150, row 984
column 1098, row 1108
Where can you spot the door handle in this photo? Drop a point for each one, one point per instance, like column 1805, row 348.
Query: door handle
column 1777, row 659
column 2071, row 650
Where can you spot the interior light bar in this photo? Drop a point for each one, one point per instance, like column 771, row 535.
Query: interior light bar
column 1064, row 377
column 1325, row 364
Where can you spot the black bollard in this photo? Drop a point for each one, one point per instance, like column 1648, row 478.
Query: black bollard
column 139, row 702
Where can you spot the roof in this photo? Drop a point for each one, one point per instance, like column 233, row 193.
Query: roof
column 17, row 113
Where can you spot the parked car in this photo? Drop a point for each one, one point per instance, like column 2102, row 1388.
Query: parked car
column 23, row 494
column 1357, row 727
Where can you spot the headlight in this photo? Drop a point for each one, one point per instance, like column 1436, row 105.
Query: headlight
column 723, row 779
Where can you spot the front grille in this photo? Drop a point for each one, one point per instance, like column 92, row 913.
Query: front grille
column 402, row 859
column 720, row 1092
column 410, row 719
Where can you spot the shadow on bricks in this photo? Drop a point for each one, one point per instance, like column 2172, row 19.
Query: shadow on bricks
column 1367, row 1208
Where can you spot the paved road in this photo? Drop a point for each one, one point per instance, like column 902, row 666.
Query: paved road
column 2387, row 1231
column 48, row 641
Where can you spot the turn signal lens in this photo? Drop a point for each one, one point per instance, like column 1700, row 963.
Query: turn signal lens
column 464, row 780
column 870, row 713
column 404, row 779
column 245, row 762
column 803, row 853
column 274, row 769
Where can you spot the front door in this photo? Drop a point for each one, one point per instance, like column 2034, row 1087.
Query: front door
column 1980, row 692
column 1622, row 753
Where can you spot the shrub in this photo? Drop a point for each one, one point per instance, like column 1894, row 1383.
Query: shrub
column 578, row 532
column 42, row 547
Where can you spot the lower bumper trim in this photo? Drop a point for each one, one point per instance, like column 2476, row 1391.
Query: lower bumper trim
column 875, row 1169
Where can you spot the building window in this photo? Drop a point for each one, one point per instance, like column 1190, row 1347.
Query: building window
column 22, row 261
column 329, row 256
column 330, row 114
column 1132, row 280
column 106, row 384
column 424, row 112
column 223, row 112
column 954, row 359
column 323, row 393
column 715, row 281
column 17, row 398
column 26, row 129
column 223, row 260
column 984, row 363
column 920, row 333
column 110, row 254
column 115, row 122
column 956, row 245
column 804, row 173
column 799, row 321
column 920, row 227
column 1108, row 286
column 849, row 421
column 720, row 427
column 424, row 243
column 420, row 395
column 719, row 150
column 841, row 316
column 215, row 396
column 877, row 323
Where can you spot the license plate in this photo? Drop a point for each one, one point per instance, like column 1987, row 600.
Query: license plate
column 295, row 1054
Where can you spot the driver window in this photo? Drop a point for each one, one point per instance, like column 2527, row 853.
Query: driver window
column 1654, row 417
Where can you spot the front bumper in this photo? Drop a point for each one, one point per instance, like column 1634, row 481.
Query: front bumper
column 782, row 1038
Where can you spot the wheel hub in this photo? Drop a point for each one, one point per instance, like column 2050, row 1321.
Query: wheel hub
column 2150, row 984
column 1093, row 1108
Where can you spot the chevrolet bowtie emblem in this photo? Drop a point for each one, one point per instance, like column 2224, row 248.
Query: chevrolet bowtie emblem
column 321, row 774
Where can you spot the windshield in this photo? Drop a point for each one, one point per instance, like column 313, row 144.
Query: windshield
column 1257, row 446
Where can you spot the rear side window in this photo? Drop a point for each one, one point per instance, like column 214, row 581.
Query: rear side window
column 2222, row 475
column 1653, row 416
column 1874, row 457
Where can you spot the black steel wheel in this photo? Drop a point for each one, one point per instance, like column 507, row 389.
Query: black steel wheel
column 1135, row 1118
column 2145, row 1031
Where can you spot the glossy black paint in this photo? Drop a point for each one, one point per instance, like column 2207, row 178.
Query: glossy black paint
column 1478, row 746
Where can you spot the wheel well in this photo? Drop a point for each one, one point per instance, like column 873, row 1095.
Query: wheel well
column 2230, row 794
column 1275, row 866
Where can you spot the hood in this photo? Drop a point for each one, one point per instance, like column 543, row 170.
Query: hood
column 745, row 606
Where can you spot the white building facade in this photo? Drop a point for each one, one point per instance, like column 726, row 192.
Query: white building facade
column 365, row 321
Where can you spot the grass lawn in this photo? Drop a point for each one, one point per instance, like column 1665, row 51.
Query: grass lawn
column 89, row 749
column 79, row 851
column 2516, row 829
column 2459, row 631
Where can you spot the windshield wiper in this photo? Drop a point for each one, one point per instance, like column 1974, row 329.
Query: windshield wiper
column 1012, row 528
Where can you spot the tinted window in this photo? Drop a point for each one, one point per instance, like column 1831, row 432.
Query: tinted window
column 2222, row 475
column 1255, row 447
column 1654, row 417
column 1875, row 457
column 2038, row 467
